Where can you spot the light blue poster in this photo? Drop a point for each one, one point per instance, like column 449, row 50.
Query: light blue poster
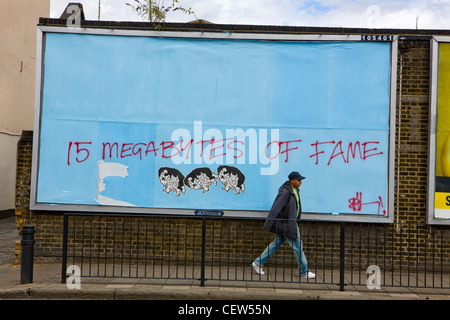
column 213, row 124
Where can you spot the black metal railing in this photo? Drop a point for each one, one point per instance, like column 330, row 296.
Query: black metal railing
column 215, row 249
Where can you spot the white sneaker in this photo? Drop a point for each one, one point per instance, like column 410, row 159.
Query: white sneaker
column 308, row 275
column 257, row 268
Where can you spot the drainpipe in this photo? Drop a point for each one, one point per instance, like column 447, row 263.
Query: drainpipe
column 398, row 143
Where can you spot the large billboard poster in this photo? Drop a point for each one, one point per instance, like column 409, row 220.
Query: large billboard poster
column 439, row 183
column 189, row 123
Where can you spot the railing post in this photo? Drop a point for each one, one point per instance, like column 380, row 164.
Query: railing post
column 26, row 271
column 202, row 264
column 64, row 252
column 342, row 257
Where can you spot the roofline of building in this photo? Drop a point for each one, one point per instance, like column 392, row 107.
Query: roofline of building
column 211, row 27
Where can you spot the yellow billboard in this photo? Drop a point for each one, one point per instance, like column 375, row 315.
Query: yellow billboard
column 442, row 190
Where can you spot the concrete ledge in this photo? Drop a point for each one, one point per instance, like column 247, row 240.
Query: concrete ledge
column 48, row 285
column 188, row 293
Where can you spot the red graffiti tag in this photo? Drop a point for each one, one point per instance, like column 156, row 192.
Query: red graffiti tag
column 78, row 151
column 345, row 152
column 356, row 203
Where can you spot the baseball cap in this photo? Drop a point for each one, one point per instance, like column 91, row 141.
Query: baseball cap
column 296, row 175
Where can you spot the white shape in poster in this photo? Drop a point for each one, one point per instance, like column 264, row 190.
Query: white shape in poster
column 110, row 169
column 442, row 213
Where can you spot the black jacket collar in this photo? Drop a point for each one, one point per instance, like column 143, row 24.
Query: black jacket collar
column 287, row 185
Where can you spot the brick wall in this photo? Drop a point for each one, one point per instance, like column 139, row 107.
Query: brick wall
column 411, row 160
column 412, row 130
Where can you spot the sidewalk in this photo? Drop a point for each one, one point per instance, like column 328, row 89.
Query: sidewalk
column 47, row 285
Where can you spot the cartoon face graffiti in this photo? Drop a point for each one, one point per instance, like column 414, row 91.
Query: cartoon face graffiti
column 172, row 179
column 232, row 178
column 200, row 179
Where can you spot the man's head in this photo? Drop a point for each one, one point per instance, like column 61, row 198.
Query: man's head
column 295, row 179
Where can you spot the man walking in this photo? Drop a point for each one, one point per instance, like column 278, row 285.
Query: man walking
column 283, row 220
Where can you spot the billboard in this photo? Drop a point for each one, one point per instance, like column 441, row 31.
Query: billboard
column 439, row 169
column 179, row 122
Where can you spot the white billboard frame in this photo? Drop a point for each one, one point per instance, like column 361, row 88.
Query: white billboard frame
column 40, row 60
column 434, row 81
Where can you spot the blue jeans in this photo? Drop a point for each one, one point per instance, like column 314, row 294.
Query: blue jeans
column 296, row 245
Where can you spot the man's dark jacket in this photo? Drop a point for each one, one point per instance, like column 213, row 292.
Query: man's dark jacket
column 282, row 218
